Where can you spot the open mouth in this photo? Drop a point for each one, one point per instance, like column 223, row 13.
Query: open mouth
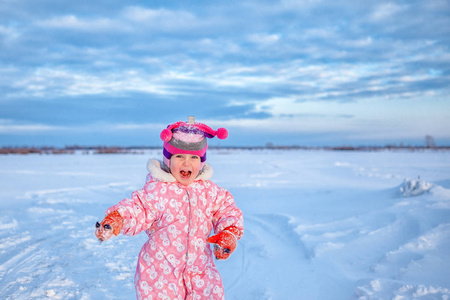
column 185, row 174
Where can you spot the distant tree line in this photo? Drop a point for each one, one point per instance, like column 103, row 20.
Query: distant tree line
column 73, row 150
column 141, row 149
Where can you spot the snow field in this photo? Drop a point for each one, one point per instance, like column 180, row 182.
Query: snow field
column 319, row 225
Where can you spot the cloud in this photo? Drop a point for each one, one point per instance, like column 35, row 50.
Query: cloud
column 160, row 19
column 72, row 22
column 10, row 127
column 386, row 11
column 58, row 82
column 9, row 34
column 264, row 39
column 260, row 63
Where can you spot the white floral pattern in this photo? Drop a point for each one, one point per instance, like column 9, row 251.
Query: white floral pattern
column 177, row 262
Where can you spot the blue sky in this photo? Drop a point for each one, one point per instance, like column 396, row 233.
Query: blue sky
column 331, row 72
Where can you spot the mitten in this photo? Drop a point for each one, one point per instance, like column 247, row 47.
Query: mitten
column 225, row 242
column 109, row 226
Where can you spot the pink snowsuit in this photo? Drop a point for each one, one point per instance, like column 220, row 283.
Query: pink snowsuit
column 176, row 262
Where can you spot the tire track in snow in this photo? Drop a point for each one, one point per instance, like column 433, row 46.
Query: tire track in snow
column 32, row 258
column 50, row 250
column 269, row 239
column 279, row 230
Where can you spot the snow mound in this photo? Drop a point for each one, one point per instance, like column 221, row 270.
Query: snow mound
column 392, row 289
column 414, row 187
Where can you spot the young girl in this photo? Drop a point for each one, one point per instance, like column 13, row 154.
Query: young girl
column 178, row 207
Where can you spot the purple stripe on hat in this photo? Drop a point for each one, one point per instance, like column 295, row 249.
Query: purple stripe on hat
column 166, row 153
column 193, row 130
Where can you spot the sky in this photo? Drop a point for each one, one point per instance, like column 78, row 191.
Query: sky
column 306, row 72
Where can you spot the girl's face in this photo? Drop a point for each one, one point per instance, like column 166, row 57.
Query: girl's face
column 185, row 167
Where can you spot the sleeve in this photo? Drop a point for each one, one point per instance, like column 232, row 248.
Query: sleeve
column 226, row 213
column 137, row 212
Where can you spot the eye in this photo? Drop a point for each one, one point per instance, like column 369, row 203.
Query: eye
column 179, row 156
column 195, row 157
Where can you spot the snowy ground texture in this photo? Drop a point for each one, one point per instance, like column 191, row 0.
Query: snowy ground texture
column 319, row 225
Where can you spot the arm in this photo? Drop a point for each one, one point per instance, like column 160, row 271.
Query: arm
column 129, row 216
column 228, row 226
column 227, row 214
column 138, row 213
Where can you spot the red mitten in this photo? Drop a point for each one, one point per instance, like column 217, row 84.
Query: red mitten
column 109, row 226
column 225, row 242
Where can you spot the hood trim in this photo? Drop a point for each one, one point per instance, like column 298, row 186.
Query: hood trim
column 155, row 169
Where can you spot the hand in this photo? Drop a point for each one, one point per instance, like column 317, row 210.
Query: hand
column 109, row 226
column 225, row 242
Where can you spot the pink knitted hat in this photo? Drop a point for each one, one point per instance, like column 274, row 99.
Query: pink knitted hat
column 188, row 138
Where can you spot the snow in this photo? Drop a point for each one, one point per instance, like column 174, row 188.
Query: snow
column 319, row 224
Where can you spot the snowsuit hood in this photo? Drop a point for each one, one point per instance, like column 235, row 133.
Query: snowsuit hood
column 157, row 171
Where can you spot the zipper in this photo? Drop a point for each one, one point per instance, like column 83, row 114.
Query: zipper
column 189, row 227
column 187, row 244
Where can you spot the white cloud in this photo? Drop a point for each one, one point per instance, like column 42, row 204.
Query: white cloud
column 359, row 43
column 264, row 39
column 160, row 19
column 294, row 5
column 322, row 33
column 11, row 127
column 9, row 34
column 385, row 11
column 53, row 82
column 214, row 47
column 135, row 126
column 81, row 24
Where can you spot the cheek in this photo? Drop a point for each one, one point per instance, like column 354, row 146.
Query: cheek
column 173, row 169
column 197, row 167
column 173, row 166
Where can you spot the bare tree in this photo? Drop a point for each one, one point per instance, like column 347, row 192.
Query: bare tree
column 429, row 141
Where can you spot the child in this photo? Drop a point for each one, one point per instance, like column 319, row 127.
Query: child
column 178, row 207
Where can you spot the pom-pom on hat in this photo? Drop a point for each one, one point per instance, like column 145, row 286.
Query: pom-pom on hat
column 188, row 138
